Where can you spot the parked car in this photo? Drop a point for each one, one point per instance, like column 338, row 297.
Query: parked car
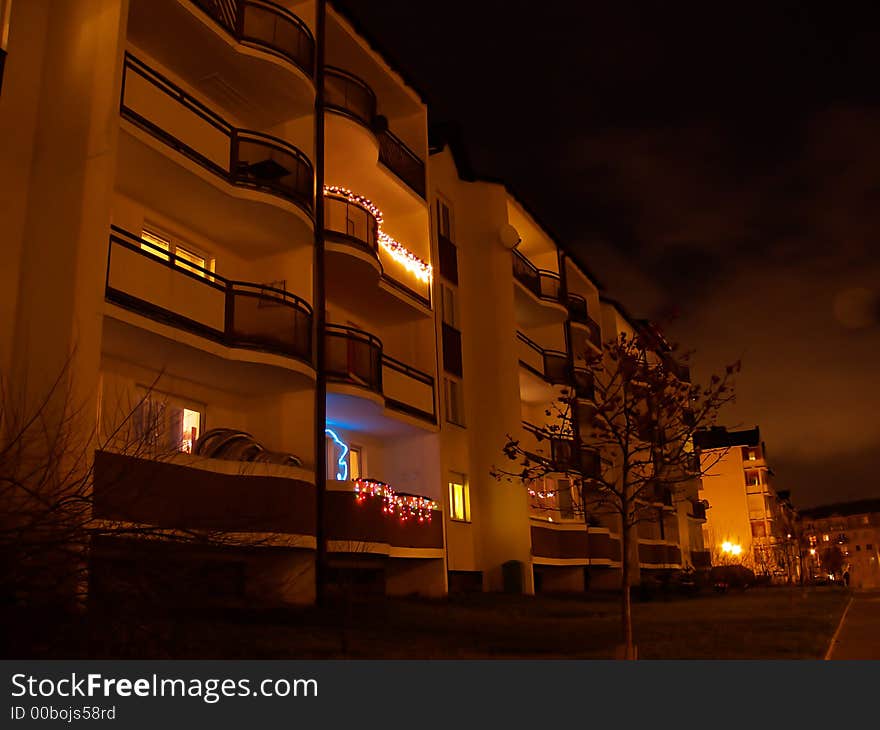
column 724, row 577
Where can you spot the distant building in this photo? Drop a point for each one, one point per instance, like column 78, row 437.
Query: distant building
column 748, row 521
column 843, row 538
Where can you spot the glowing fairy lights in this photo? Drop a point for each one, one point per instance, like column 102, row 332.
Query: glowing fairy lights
column 422, row 270
column 405, row 506
column 341, row 461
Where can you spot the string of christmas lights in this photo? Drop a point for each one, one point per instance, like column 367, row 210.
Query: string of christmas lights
column 542, row 495
column 422, row 270
column 405, row 506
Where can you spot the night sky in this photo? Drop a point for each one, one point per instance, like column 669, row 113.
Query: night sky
column 719, row 173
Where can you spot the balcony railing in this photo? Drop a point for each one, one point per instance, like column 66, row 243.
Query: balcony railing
column 155, row 282
column 561, row 446
column 402, row 161
column 351, row 222
column 356, row 358
column 679, row 370
column 551, row 365
column 543, row 284
column 242, row 157
column 584, row 384
column 577, row 313
column 265, row 25
column 346, row 94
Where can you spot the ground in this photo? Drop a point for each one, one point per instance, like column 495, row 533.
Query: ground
column 858, row 637
column 762, row 623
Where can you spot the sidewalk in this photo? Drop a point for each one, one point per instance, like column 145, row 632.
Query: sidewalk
column 859, row 635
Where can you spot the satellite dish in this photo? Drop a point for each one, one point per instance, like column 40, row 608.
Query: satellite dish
column 509, row 237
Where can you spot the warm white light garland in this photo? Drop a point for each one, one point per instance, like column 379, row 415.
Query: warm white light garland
column 422, row 270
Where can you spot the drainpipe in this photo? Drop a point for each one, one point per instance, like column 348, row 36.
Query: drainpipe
column 319, row 297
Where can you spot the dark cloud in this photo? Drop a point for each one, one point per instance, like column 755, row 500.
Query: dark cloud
column 716, row 168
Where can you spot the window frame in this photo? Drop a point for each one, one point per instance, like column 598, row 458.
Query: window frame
column 448, row 381
column 459, row 479
column 157, row 236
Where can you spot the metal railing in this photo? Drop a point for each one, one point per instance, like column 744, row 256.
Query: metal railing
column 543, row 284
column 254, row 316
column 577, row 313
column 349, row 95
column 555, row 362
column 584, row 384
column 351, row 222
column 402, row 161
column 258, row 161
column 355, row 357
column 266, row 25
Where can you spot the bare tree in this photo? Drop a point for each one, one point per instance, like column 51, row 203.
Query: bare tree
column 632, row 442
column 53, row 513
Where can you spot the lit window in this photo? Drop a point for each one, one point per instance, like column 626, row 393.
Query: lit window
column 825, row 538
column 184, row 256
column 165, row 423
column 155, row 244
column 354, row 462
column 459, row 498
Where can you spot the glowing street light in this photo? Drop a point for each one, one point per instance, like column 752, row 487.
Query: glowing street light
column 731, row 548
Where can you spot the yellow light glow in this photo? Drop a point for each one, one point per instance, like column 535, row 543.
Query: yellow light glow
column 422, row 270
column 812, row 551
column 731, row 548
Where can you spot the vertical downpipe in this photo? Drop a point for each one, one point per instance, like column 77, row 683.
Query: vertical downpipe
column 319, row 296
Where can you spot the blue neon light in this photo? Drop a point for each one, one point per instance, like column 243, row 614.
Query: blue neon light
column 342, row 474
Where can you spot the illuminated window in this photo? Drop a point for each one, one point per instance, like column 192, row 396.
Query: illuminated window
column 825, row 538
column 459, row 498
column 166, row 423
column 355, row 470
column 155, row 244
column 185, row 256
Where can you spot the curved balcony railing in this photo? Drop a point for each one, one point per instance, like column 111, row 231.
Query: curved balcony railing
column 584, row 384
column 353, row 356
column 551, row 365
column 242, row 157
column 351, row 223
column 543, row 284
column 265, row 25
column 157, row 283
column 577, row 313
column 346, row 94
column 356, row 358
column 402, row 161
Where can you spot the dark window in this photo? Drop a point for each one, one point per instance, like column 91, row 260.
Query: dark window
column 452, row 350
column 447, row 250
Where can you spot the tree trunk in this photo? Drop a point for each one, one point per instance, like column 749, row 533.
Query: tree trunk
column 626, row 594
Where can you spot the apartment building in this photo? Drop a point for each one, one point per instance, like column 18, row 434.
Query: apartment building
column 170, row 206
column 842, row 539
column 525, row 317
column 748, row 520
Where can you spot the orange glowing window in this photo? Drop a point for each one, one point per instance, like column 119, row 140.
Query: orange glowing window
column 459, row 498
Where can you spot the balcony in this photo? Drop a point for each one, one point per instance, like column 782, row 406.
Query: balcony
column 402, row 161
column 573, row 544
column 176, row 145
column 698, row 509
column 253, row 58
column 355, row 358
column 538, row 296
column 551, row 365
column 267, row 26
column 358, row 268
column 584, row 384
column 658, row 554
column 156, row 283
column 363, row 527
column 577, row 314
column 195, row 493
